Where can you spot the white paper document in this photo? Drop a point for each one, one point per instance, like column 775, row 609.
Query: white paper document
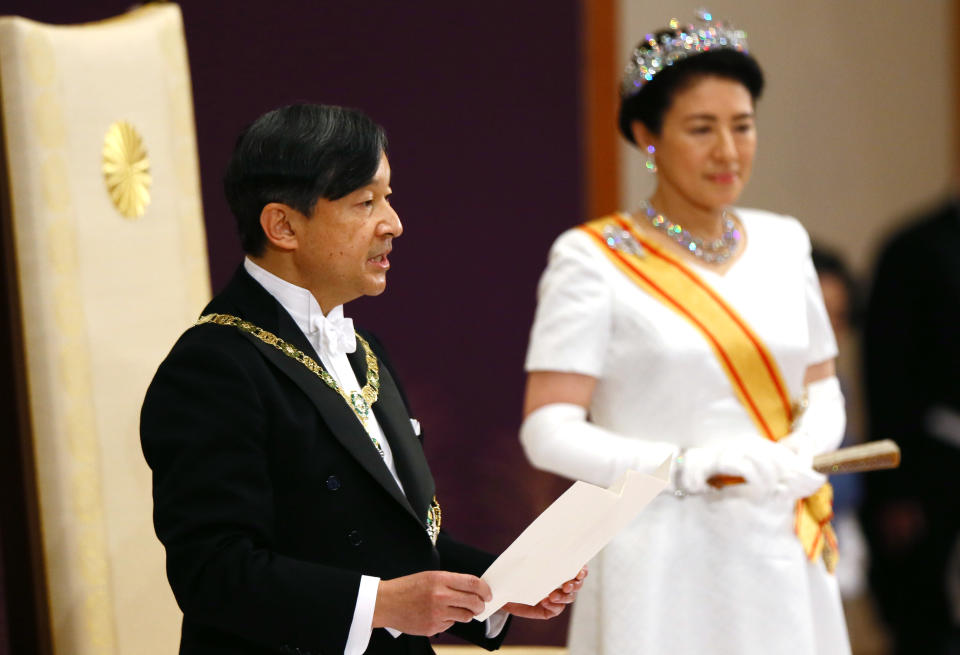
column 566, row 536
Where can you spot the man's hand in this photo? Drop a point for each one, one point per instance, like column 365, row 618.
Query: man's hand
column 429, row 602
column 553, row 604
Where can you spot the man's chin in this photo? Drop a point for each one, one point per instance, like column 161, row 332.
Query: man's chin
column 376, row 289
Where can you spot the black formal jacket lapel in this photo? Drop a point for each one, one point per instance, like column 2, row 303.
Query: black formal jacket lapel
column 394, row 420
column 244, row 297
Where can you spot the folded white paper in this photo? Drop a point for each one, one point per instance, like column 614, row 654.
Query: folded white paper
column 566, row 536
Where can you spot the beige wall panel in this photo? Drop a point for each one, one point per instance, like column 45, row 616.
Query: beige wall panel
column 856, row 123
column 103, row 298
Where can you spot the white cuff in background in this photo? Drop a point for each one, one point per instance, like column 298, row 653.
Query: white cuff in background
column 944, row 422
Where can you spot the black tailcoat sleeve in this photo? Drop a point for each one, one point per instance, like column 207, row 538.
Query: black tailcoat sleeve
column 270, row 498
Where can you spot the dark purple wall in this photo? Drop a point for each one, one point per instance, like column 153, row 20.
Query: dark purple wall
column 480, row 102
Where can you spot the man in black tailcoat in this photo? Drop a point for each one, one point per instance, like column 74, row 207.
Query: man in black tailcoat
column 291, row 491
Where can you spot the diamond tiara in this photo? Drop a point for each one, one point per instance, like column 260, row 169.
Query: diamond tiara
column 676, row 43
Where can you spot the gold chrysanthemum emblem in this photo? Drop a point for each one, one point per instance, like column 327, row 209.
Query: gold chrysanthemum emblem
column 126, row 169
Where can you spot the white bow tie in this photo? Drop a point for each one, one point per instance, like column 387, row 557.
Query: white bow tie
column 336, row 335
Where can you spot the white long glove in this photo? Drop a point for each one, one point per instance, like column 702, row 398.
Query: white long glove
column 821, row 426
column 558, row 438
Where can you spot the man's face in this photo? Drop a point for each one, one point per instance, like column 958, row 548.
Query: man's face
column 342, row 247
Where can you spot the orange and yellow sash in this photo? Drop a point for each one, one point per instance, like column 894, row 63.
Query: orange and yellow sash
column 749, row 365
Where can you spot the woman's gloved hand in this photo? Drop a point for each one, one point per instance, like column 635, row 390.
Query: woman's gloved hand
column 769, row 468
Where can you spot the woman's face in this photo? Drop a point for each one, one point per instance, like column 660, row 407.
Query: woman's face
column 704, row 152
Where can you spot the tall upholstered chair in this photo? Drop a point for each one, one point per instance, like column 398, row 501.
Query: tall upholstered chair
column 106, row 264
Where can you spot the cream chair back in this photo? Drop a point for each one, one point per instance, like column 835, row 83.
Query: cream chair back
column 110, row 265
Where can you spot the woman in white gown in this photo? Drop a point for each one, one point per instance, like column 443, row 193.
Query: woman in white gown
column 690, row 329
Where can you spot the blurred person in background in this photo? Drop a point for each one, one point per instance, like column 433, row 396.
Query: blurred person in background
column 687, row 330
column 911, row 515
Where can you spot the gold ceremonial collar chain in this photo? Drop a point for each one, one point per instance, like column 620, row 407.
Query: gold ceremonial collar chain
column 359, row 402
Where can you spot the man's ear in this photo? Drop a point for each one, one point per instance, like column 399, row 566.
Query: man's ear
column 278, row 222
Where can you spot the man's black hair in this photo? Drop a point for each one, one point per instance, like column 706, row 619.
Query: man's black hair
column 295, row 155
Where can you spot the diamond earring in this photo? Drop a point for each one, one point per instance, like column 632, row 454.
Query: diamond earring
column 651, row 163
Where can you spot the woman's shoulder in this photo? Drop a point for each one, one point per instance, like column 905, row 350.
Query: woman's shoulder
column 765, row 225
column 580, row 251
column 578, row 241
column 767, row 218
column 591, row 232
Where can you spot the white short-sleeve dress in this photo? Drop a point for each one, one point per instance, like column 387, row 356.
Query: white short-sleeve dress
column 718, row 573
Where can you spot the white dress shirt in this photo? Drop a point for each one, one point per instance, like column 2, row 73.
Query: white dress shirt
column 332, row 338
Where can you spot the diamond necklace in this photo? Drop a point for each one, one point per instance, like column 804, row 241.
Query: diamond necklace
column 712, row 252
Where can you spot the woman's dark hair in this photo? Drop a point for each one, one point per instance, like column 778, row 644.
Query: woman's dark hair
column 653, row 99
column 295, row 155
